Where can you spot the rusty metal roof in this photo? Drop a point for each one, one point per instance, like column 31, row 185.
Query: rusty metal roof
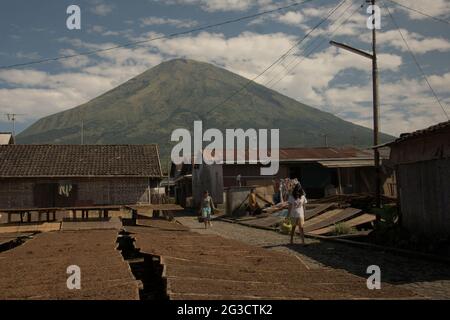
column 323, row 153
column 302, row 153
column 356, row 163
column 79, row 161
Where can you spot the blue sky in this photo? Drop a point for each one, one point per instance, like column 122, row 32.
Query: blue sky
column 329, row 79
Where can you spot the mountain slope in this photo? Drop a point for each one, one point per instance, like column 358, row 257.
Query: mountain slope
column 147, row 108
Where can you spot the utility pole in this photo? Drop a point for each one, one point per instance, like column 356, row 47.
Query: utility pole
column 376, row 108
column 373, row 57
column 353, row 140
column 13, row 117
column 82, row 132
column 325, row 136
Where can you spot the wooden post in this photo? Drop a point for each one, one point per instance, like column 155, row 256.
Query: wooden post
column 9, row 217
column 134, row 214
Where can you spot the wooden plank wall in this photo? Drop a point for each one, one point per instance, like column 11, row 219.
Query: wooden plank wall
column 425, row 197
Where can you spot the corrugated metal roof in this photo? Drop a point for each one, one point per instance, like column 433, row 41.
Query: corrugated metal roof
column 299, row 154
column 323, row 153
column 347, row 163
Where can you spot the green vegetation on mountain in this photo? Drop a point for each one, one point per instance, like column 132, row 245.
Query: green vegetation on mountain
column 147, row 108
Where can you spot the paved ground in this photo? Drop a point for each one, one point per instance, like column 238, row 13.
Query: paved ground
column 426, row 279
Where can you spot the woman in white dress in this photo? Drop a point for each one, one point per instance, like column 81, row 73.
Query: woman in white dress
column 297, row 212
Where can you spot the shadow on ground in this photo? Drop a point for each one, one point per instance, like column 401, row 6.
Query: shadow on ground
column 394, row 269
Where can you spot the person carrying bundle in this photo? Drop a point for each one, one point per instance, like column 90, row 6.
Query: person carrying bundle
column 296, row 212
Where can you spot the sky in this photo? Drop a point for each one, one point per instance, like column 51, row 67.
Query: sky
column 315, row 73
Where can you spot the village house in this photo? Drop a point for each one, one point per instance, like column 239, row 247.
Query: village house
column 6, row 138
column 422, row 166
column 47, row 176
column 181, row 177
column 322, row 172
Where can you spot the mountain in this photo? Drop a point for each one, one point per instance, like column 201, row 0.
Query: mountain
column 147, row 108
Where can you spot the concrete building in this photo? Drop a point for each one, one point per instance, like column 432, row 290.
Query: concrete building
column 422, row 165
column 46, row 176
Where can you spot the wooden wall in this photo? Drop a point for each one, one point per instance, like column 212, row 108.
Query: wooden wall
column 422, row 166
column 424, row 191
column 19, row 193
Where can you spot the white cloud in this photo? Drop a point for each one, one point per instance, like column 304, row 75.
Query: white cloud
column 292, row 18
column 439, row 8
column 28, row 55
column 407, row 104
column 127, row 33
column 101, row 8
column 221, row 5
column 178, row 23
column 75, row 62
column 417, row 42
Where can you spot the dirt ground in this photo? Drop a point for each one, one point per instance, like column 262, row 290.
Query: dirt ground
column 424, row 278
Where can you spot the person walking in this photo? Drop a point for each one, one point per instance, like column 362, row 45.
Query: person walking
column 297, row 212
column 207, row 208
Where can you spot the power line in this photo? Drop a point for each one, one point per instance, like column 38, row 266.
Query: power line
column 316, row 47
column 173, row 35
column 295, row 57
column 13, row 117
column 416, row 61
column 420, row 12
column 277, row 60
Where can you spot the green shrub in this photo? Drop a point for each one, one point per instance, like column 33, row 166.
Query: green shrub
column 342, row 229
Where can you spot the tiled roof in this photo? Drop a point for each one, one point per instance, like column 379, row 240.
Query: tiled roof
column 79, row 161
column 436, row 128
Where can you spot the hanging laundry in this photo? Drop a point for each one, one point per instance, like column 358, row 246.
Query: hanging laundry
column 64, row 190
